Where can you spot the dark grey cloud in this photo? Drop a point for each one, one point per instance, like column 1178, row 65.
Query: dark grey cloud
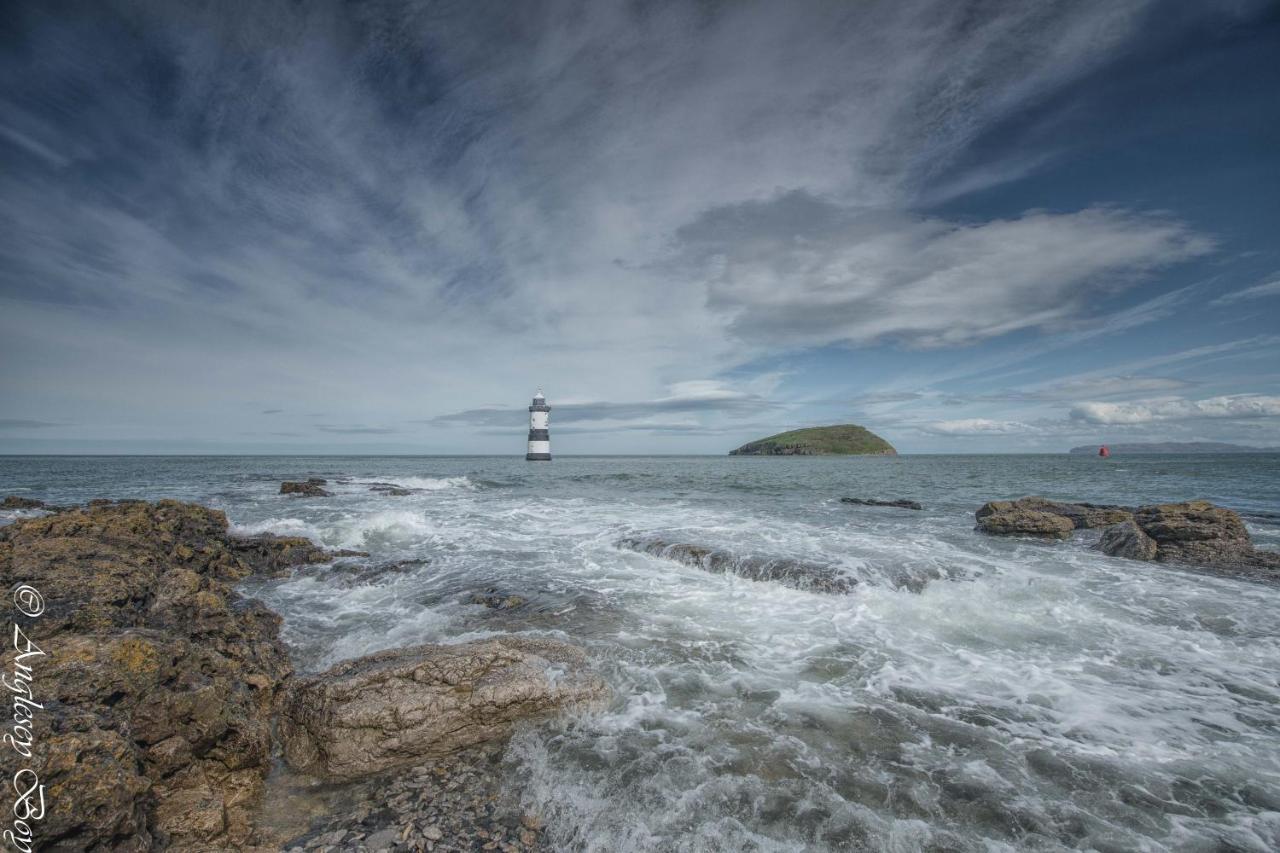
column 355, row 430
column 272, row 411
column 21, row 423
column 714, row 401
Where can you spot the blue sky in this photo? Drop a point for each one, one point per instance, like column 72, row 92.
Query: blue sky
column 379, row 227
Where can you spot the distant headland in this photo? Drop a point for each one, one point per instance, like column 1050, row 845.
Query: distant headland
column 1176, row 447
column 838, row 440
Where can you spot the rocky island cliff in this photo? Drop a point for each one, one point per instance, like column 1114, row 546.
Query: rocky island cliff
column 838, row 440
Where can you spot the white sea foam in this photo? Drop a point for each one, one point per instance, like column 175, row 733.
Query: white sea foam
column 1029, row 696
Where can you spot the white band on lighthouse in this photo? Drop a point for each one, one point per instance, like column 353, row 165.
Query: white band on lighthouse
column 539, row 436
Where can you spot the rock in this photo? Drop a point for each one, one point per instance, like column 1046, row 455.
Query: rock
column 393, row 708
column 899, row 504
column 1082, row 515
column 390, row 489
column 494, row 599
column 18, row 502
column 277, row 556
column 1127, row 540
column 159, row 681
column 797, row 574
column 1202, row 534
column 1009, row 518
column 312, row 488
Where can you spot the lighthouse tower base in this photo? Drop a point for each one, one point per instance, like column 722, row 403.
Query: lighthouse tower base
column 537, row 457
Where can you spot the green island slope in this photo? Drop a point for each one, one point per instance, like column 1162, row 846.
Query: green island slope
column 839, row 440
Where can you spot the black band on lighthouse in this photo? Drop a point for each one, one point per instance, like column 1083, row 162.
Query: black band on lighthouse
column 539, row 435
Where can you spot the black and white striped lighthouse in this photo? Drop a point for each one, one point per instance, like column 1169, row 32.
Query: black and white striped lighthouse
column 539, row 437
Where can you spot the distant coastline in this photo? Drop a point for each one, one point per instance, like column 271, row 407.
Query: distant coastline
column 1175, row 447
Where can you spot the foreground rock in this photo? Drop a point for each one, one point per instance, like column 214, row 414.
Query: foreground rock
column 1197, row 533
column 159, row 680
column 898, row 504
column 1127, row 540
column 1025, row 517
column 312, row 488
column 1012, row 518
column 466, row 801
column 797, row 574
column 395, row 708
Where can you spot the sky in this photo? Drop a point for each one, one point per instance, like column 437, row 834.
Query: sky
column 380, row 227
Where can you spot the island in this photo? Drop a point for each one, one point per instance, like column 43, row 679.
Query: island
column 1174, row 447
column 838, row 440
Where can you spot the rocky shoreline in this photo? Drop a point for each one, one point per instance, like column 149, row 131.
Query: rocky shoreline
column 169, row 699
column 1193, row 533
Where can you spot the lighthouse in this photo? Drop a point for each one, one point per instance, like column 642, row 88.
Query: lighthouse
column 539, row 438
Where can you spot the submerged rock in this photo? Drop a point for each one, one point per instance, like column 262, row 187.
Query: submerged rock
column 19, row 502
column 496, row 599
column 1012, row 518
column 397, row 707
column 1127, row 540
column 312, row 488
column 899, row 504
column 277, row 556
column 159, row 680
column 811, row 577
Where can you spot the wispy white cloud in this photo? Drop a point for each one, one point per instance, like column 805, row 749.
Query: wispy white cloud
column 1178, row 409
column 1258, row 291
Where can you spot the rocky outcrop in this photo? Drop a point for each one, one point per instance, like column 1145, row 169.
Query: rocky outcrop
column 1197, row 533
column 19, row 502
column 395, row 708
column 1127, row 540
column 1013, row 518
column 1202, row 534
column 898, row 504
column 1024, row 516
column 159, row 680
column 797, row 574
column 312, row 488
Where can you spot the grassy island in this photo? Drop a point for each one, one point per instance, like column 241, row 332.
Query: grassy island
column 839, row 440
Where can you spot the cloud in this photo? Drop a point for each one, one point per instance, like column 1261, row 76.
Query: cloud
column 1259, row 291
column 355, row 430
column 1178, row 409
column 977, row 426
column 20, row 423
column 691, row 397
column 272, row 411
column 798, row 270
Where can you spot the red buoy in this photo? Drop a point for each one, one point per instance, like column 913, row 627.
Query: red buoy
column 1103, row 452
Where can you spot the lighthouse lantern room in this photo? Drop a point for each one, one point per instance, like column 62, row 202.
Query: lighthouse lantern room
column 539, row 437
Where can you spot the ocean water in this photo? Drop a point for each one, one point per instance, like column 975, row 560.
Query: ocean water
column 969, row 694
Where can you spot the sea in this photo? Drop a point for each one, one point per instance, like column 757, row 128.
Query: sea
column 968, row 693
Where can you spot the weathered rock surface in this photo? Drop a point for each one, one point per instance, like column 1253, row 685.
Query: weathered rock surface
column 1202, row 534
column 1011, row 518
column 899, row 504
column 159, row 680
column 496, row 599
column 395, row 708
column 797, row 574
column 19, row 502
column 312, row 488
column 1127, row 540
